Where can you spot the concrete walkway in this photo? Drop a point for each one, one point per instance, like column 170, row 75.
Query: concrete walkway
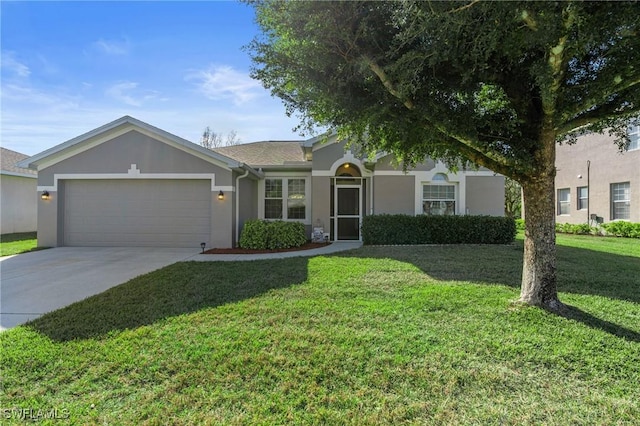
column 35, row 283
column 331, row 248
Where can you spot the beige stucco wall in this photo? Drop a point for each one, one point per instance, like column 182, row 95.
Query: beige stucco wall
column 485, row 195
column 18, row 203
column 608, row 165
column 394, row 195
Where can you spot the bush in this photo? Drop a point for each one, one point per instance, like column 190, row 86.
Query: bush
column 270, row 235
column 404, row 229
column 580, row 228
column 520, row 224
column 622, row 229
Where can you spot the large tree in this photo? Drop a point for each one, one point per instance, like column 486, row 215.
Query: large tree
column 497, row 84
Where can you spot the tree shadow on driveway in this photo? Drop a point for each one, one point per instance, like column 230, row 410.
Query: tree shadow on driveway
column 178, row 289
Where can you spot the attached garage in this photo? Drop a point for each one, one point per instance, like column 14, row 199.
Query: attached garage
column 128, row 183
column 137, row 212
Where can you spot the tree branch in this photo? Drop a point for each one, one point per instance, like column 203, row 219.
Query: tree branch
column 386, row 82
column 590, row 103
column 466, row 6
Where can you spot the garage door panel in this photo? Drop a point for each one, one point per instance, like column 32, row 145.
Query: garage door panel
column 159, row 213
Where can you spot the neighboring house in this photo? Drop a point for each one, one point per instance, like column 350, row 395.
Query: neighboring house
column 128, row 183
column 18, row 203
column 594, row 179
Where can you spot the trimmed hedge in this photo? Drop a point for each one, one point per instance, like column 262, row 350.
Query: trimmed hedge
column 422, row 229
column 260, row 234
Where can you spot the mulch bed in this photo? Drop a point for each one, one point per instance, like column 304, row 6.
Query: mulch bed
column 307, row 246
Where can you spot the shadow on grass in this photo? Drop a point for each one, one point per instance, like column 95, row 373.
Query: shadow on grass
column 579, row 271
column 178, row 289
column 577, row 314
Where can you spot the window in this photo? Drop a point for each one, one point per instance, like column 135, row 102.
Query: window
column 634, row 135
column 564, row 201
column 296, row 205
column 583, row 198
column 620, row 201
column 277, row 191
column 273, row 199
column 439, row 199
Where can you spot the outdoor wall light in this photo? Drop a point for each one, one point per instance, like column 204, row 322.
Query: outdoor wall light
column 203, row 245
column 45, row 195
column 221, row 195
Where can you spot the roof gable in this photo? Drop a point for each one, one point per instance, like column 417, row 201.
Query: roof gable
column 118, row 127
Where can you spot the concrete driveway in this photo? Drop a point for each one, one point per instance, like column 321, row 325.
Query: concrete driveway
column 35, row 283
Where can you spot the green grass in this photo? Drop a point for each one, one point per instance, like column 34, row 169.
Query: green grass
column 380, row 335
column 18, row 243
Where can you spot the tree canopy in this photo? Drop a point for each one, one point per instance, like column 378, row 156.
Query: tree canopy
column 493, row 83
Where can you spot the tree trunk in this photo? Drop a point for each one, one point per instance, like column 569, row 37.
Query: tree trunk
column 539, row 286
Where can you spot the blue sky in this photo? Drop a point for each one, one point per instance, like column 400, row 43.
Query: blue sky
column 69, row 67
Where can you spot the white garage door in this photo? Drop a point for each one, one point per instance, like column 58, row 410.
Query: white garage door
column 137, row 213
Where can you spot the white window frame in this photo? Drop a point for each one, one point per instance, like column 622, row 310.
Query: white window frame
column 634, row 134
column 626, row 200
column 440, row 179
column 285, row 196
column 583, row 202
column 566, row 203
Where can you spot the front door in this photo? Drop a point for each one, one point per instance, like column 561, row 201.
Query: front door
column 348, row 216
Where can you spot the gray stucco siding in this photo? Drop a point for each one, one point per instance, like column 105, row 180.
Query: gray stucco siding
column 388, row 163
column 485, row 195
column 149, row 155
column 394, row 195
column 324, row 157
column 247, row 192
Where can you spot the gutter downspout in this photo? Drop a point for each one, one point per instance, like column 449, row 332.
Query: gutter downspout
column 246, row 173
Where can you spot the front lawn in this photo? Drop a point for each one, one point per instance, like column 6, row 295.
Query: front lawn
column 379, row 335
column 17, row 243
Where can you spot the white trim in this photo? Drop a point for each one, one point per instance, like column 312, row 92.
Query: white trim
column 285, row 177
column 24, row 175
column 336, row 216
column 134, row 173
column 348, row 157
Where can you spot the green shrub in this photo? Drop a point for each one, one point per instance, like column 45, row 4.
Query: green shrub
column 254, row 235
column 270, row 235
column 622, row 229
column 520, row 224
column 405, row 229
column 579, row 228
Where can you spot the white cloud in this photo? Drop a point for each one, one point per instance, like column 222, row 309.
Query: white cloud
column 10, row 63
column 127, row 92
column 224, row 82
column 112, row 47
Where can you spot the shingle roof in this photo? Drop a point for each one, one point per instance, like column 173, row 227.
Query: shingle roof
column 9, row 160
column 268, row 153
